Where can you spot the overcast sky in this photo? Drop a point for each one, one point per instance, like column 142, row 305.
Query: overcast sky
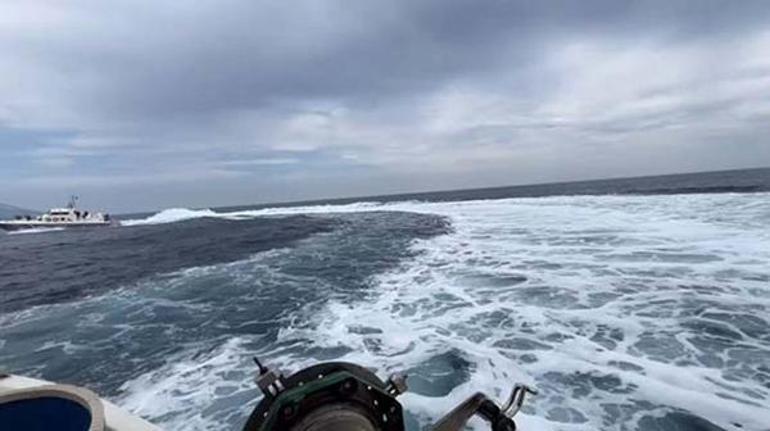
column 139, row 105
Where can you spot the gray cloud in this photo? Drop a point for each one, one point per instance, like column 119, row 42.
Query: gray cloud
column 305, row 99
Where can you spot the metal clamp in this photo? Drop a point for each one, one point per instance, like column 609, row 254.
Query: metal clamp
column 269, row 382
column 516, row 399
column 396, row 384
column 500, row 419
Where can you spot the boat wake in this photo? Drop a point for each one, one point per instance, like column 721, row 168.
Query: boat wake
column 626, row 312
column 622, row 310
column 171, row 215
column 635, row 312
column 174, row 215
column 36, row 230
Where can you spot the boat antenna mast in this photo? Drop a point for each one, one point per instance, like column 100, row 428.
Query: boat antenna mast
column 73, row 200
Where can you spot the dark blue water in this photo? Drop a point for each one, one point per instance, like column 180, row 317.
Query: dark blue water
column 62, row 266
column 628, row 305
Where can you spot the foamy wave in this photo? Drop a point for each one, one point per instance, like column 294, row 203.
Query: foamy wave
column 36, row 230
column 184, row 382
column 170, row 216
column 700, row 207
column 617, row 307
column 181, row 214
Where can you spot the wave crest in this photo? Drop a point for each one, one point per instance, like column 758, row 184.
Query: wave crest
column 170, row 216
column 181, row 214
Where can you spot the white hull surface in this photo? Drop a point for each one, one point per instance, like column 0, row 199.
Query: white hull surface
column 14, row 225
column 104, row 415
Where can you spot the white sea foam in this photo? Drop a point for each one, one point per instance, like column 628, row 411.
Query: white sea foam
column 589, row 298
column 170, row 216
column 177, row 393
column 615, row 307
column 36, row 230
column 181, row 214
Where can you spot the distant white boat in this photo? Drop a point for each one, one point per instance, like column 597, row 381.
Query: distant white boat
column 70, row 216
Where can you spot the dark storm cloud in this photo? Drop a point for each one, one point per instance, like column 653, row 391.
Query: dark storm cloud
column 240, row 54
column 197, row 89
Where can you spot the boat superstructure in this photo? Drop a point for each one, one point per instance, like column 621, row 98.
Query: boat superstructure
column 70, row 216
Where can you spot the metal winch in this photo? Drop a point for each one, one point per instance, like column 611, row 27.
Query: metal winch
column 340, row 396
